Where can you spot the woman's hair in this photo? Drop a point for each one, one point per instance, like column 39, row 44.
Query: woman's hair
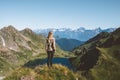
column 50, row 35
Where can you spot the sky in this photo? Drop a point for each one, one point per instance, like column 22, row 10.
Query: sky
column 42, row 14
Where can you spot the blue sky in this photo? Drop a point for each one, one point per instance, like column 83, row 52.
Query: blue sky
column 37, row 14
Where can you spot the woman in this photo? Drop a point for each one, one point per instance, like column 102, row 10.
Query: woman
column 50, row 48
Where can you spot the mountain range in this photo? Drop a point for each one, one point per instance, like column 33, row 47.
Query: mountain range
column 18, row 47
column 99, row 57
column 80, row 34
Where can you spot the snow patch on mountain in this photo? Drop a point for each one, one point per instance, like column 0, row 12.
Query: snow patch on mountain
column 3, row 41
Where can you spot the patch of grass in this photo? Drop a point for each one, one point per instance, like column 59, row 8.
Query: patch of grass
column 4, row 67
column 19, row 73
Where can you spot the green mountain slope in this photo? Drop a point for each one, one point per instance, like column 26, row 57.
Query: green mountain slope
column 99, row 57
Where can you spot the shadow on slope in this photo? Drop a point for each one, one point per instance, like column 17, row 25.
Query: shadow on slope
column 89, row 59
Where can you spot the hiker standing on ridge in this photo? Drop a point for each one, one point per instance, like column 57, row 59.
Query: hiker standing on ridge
column 50, row 48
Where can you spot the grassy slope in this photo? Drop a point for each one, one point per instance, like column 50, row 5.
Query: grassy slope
column 4, row 66
column 57, row 72
column 108, row 67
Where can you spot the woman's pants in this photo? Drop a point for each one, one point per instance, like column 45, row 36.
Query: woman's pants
column 49, row 59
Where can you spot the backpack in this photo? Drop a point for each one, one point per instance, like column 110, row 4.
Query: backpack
column 50, row 44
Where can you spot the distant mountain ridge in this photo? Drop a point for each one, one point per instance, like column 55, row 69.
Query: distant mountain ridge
column 80, row 34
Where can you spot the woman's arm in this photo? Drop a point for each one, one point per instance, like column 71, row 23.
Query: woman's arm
column 54, row 44
column 46, row 47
